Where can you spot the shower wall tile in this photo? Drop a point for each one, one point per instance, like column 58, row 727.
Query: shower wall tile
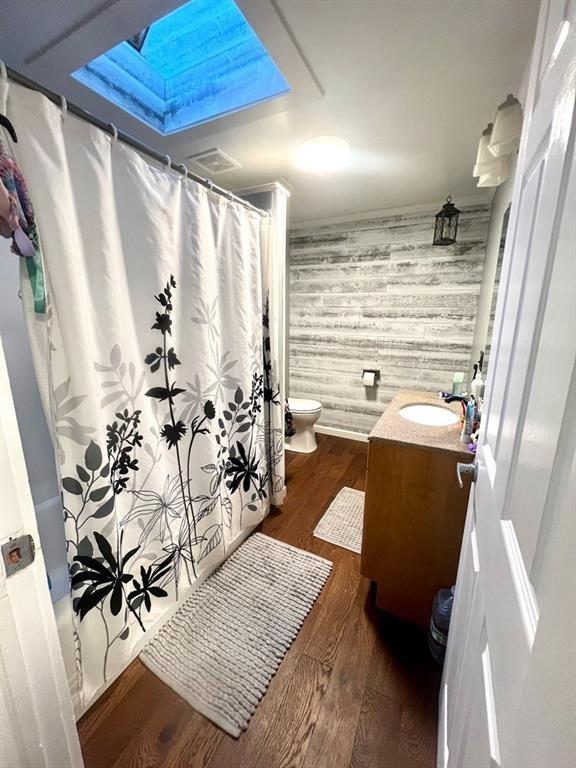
column 376, row 294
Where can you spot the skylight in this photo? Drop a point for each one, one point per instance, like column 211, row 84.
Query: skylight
column 200, row 62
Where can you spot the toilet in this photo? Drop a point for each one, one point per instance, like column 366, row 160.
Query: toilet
column 306, row 413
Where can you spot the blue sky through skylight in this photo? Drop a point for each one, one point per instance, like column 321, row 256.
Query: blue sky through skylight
column 200, row 62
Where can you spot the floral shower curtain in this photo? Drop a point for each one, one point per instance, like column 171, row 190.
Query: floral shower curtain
column 155, row 363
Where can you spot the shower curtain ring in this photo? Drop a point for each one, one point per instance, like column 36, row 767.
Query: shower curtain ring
column 3, row 72
column 168, row 162
column 114, row 130
column 63, row 106
column 184, row 170
column 209, row 184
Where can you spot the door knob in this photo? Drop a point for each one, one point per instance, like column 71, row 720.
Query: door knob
column 466, row 469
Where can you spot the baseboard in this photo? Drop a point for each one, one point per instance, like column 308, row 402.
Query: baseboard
column 75, row 695
column 360, row 437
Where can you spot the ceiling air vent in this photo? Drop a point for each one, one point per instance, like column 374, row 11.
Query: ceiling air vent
column 214, row 161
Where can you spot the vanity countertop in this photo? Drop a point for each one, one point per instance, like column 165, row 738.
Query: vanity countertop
column 393, row 428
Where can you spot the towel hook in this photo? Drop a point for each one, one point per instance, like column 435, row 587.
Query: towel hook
column 63, row 106
column 114, row 130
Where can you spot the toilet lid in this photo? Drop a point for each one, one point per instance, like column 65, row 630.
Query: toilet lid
column 302, row 405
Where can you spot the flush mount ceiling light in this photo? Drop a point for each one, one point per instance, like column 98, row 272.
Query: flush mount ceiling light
column 324, row 154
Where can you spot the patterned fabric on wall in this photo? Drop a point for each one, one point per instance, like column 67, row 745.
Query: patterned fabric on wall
column 155, row 363
column 377, row 294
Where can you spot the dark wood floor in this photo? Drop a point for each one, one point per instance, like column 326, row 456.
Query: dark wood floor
column 356, row 689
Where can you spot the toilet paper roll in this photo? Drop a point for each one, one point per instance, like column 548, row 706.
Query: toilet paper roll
column 368, row 378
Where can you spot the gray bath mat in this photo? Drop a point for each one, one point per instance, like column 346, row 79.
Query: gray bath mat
column 222, row 647
column 342, row 522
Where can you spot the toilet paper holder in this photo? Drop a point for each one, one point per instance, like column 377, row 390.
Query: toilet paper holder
column 375, row 371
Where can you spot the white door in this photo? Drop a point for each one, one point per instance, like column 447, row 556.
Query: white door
column 508, row 695
column 37, row 728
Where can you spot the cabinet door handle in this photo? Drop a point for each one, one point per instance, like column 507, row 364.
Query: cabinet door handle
column 466, row 469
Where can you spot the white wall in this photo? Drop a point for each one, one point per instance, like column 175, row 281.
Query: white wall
column 375, row 293
column 36, row 441
column 500, row 202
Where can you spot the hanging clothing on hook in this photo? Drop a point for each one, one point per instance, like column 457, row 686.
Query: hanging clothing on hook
column 18, row 224
column 9, row 127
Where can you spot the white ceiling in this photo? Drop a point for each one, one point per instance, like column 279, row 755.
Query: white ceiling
column 408, row 83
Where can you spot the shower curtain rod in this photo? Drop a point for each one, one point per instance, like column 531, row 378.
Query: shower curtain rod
column 127, row 139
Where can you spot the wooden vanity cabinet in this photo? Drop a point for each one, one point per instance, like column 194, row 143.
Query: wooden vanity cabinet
column 414, row 514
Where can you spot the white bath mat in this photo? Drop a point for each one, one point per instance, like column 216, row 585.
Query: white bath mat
column 222, row 647
column 342, row 522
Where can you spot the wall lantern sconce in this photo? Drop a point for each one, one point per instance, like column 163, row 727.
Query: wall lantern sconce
column 490, row 171
column 505, row 137
column 498, row 142
column 446, row 224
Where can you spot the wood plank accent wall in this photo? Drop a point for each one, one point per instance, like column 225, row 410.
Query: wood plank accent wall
column 377, row 294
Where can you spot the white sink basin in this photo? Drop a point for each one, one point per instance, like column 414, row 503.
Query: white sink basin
column 429, row 415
